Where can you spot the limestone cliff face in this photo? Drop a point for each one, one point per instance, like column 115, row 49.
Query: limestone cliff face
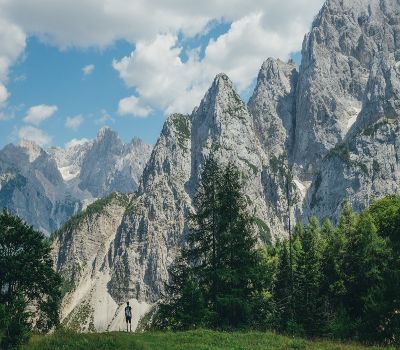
column 109, row 165
column 273, row 105
column 347, row 76
column 351, row 59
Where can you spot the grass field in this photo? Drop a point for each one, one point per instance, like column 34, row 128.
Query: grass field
column 192, row 340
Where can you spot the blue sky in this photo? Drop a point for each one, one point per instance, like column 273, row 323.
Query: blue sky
column 131, row 84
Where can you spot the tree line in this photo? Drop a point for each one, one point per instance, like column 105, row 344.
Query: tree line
column 339, row 281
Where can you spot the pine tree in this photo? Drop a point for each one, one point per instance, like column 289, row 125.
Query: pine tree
column 385, row 303
column 365, row 266
column 282, row 288
column 205, row 229
column 308, row 302
column 221, row 268
column 184, row 308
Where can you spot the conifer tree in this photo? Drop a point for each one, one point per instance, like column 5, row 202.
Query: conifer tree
column 222, row 267
column 308, row 303
column 282, row 287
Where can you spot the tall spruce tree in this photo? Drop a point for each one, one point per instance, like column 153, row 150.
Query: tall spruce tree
column 366, row 265
column 185, row 307
column 282, row 287
column 221, row 258
column 386, row 300
column 308, row 274
column 241, row 270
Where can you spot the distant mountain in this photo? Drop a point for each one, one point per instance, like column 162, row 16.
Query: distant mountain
column 334, row 124
column 46, row 187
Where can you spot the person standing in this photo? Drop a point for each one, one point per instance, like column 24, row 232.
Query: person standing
column 128, row 317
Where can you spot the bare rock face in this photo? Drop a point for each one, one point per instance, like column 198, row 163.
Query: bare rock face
column 348, row 66
column 32, row 187
column 273, row 106
column 353, row 52
column 149, row 236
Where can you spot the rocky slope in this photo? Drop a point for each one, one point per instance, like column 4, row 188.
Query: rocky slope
column 331, row 128
column 46, row 187
column 82, row 256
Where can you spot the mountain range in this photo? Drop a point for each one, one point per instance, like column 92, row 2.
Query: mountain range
column 309, row 139
column 47, row 187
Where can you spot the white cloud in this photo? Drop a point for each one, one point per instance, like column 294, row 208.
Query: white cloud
column 74, row 122
column 87, row 70
column 76, row 142
column 104, row 119
column 5, row 116
column 176, row 86
column 12, row 44
column 101, row 22
column 3, row 94
column 34, row 134
column 37, row 114
column 132, row 105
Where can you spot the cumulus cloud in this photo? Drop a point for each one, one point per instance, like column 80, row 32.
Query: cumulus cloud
column 101, row 22
column 34, row 134
column 173, row 85
column 132, row 105
column 104, row 118
column 74, row 122
column 3, row 94
column 76, row 142
column 37, row 114
column 87, row 70
column 12, row 44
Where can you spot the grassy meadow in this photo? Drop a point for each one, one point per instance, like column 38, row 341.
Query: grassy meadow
column 190, row 340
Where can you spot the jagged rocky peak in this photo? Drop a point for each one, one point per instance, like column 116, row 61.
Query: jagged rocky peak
column 273, row 105
column 32, row 149
column 112, row 166
column 108, row 137
column 220, row 98
column 222, row 125
column 46, row 187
